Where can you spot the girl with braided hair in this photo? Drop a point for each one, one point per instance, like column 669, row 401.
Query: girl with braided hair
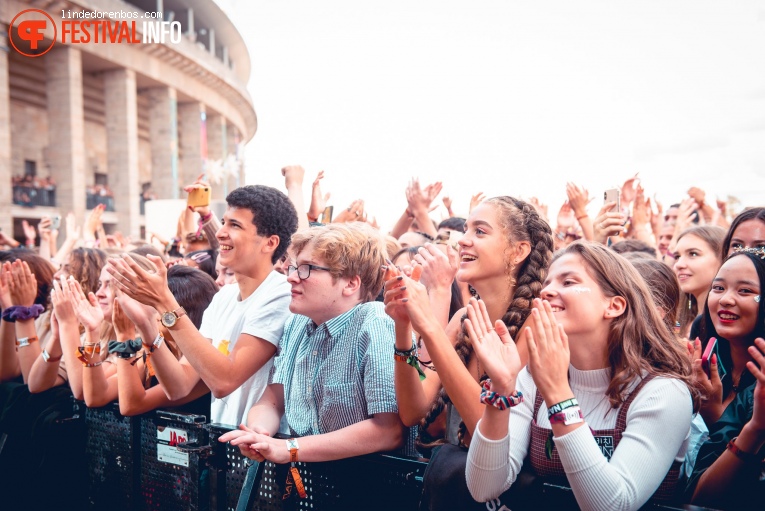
column 504, row 256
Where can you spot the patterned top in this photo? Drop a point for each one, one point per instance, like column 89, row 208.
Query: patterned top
column 337, row 373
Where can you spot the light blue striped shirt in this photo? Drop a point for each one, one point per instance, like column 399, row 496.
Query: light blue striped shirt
column 337, row 373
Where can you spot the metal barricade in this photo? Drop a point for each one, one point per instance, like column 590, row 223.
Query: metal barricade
column 112, row 458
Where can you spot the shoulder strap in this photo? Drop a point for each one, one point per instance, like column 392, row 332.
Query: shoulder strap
column 621, row 419
column 537, row 404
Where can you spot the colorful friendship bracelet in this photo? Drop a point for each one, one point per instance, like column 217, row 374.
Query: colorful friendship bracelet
column 409, row 357
column 489, row 397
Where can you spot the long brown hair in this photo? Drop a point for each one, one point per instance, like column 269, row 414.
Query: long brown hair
column 713, row 236
column 638, row 340
column 519, row 222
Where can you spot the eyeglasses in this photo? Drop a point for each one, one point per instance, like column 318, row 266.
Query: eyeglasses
column 304, row 270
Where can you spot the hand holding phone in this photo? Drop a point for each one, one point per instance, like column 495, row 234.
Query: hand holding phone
column 199, row 196
column 707, row 356
column 55, row 223
column 612, row 195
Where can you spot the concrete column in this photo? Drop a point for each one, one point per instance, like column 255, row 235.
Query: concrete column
column 122, row 147
column 66, row 129
column 211, row 35
column 190, row 142
column 217, row 150
column 232, row 135
column 163, row 129
column 6, row 172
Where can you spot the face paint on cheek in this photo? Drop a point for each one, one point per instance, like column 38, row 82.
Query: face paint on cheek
column 581, row 289
column 757, row 298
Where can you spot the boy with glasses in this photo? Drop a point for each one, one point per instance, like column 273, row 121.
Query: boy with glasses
column 333, row 378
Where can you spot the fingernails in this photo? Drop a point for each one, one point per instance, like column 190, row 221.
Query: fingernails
column 400, row 277
column 405, row 299
column 384, row 267
column 403, row 288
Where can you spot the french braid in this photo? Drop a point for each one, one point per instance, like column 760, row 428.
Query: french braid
column 520, row 222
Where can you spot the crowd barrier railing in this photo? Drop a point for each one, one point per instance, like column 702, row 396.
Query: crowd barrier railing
column 168, row 460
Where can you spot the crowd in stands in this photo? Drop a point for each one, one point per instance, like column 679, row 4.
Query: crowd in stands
column 621, row 355
column 33, row 191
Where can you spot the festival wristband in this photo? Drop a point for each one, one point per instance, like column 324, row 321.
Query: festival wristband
column 559, row 407
column 293, row 475
column 568, row 417
column 46, row 357
column 23, row 342
column 409, row 357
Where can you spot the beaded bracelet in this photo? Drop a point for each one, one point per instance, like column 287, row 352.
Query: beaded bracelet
column 488, row 397
column 559, row 407
column 409, row 357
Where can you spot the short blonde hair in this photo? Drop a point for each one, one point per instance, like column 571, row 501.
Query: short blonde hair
column 349, row 250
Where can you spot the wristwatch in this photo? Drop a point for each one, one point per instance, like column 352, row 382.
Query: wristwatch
column 170, row 318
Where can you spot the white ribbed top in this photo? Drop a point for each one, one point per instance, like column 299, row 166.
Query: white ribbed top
column 658, row 425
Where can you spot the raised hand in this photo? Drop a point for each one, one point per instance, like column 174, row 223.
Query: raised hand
column 566, row 217
column 86, row 307
column 711, row 386
column 413, row 296
column 139, row 284
column 495, row 349
column 475, row 200
column 578, row 198
column 123, row 327
column 549, row 354
column 318, row 201
column 438, row 268
column 199, row 182
column 628, row 189
column 758, row 354
column 72, row 229
column 29, row 231
column 63, row 305
column 354, row 212
column 6, row 281
column 293, row 175
column 607, row 223
column 23, row 286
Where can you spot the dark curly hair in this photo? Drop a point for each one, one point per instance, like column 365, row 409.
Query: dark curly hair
column 272, row 213
column 520, row 222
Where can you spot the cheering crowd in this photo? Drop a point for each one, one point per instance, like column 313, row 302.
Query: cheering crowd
column 620, row 355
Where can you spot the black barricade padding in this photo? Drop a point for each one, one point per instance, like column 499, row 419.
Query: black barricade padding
column 174, row 471
column 141, row 463
column 113, row 459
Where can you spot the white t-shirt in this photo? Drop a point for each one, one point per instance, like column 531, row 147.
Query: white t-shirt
column 262, row 315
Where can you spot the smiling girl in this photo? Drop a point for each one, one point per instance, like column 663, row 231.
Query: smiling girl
column 728, row 471
column 697, row 259
column 605, row 402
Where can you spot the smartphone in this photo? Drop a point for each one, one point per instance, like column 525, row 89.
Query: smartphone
column 612, row 195
column 199, row 197
column 55, row 223
column 707, row 356
column 326, row 217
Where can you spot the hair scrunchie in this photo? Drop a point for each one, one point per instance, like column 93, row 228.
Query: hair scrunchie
column 21, row 313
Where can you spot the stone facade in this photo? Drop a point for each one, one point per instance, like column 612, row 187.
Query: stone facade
column 130, row 112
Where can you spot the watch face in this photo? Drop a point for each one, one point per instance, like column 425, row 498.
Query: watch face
column 168, row 319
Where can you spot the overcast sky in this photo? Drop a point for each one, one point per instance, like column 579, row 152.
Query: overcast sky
column 508, row 97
